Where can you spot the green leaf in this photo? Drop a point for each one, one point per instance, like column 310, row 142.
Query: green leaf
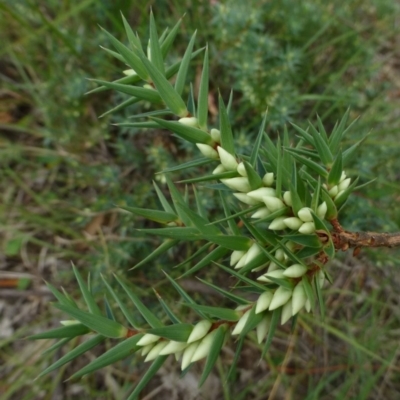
column 332, row 210
column 176, row 332
column 71, row 355
column 155, row 366
column 183, row 294
column 230, row 242
column 322, row 147
column 152, row 320
column 202, row 101
column 59, row 296
column 167, row 92
column 97, row 323
column 304, row 240
column 108, row 309
column 188, row 133
column 162, row 217
column 133, row 39
column 340, row 200
column 212, row 177
column 164, row 246
column 226, row 294
column 155, row 50
column 347, row 154
column 142, row 93
column 279, row 169
column 90, row 301
column 213, row 354
column 316, row 195
column 164, row 202
column 304, row 134
column 214, row 255
column 221, row 313
column 199, row 222
column 139, row 125
column 320, row 298
column 309, row 291
column 336, row 172
column 190, row 164
column 257, row 144
column 118, row 352
column 309, row 163
column 225, row 128
column 69, row 331
column 252, row 321
column 276, row 316
column 183, row 69
column 337, row 134
column 130, row 57
column 253, row 177
column 297, row 204
column 120, row 106
column 234, row 363
column 322, row 130
column 122, row 305
column 57, row 345
column 174, row 319
column 179, row 233
column 151, row 114
column 169, row 40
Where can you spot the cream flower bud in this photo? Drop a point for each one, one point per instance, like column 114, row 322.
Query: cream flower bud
column 277, row 274
column 204, row 347
column 280, row 255
column 253, row 252
column 305, row 214
column 286, row 312
column 146, row 349
column 273, row 203
column 307, row 228
column 199, row 331
column 295, row 271
column 342, row 177
column 236, row 256
column 241, row 169
column 333, row 191
column 262, row 328
column 293, row 223
column 263, row 301
column 268, row 179
column 281, row 296
column 69, row 322
column 287, row 198
column 244, row 198
column 307, row 305
column 261, row 213
column 227, row 159
column 188, row 354
column 173, row 347
column 155, row 351
column 242, row 262
column 241, row 184
column 339, row 194
column 220, row 168
column 241, row 323
column 344, row 185
column 147, row 339
column 189, row 121
column 299, row 298
column 258, row 194
column 277, row 224
column 215, row 135
column 207, row 151
column 322, row 209
column 273, row 267
column 129, row 72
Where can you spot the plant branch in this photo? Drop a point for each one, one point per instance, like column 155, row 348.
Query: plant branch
column 344, row 240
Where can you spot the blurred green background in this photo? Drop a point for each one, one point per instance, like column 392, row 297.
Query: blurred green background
column 64, row 171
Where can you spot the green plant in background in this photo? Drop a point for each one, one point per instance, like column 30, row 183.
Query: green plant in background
column 279, row 230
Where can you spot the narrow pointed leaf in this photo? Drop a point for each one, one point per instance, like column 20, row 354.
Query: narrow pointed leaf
column 309, row 163
column 167, row 92
column 336, row 171
column 178, row 233
column 164, row 246
column 176, row 332
column 224, row 293
column 155, row 50
column 221, row 313
column 337, row 134
column 348, row 153
column 59, row 296
column 169, row 39
column 276, row 316
column 253, row 177
column 322, row 147
column 190, row 164
column 304, row 134
column 155, row 366
column 297, row 204
column 162, row 217
column 171, row 315
column 202, row 101
column 183, row 69
column 126, row 80
column 257, row 144
column 69, row 331
column 212, row 177
column 213, row 354
column 320, row 298
column 97, row 323
column 332, row 209
column 150, row 95
column 316, row 195
column 76, row 352
column 57, row 345
column 322, row 130
column 339, row 201
column 225, row 128
column 230, row 242
column 118, row 352
column 309, row 291
column 252, row 321
column 199, row 222
column 164, row 202
column 120, row 106
column 188, row 133
column 238, row 352
column 152, row 320
column 133, row 39
column 305, row 240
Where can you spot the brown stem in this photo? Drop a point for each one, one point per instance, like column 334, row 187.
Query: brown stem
column 344, row 239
